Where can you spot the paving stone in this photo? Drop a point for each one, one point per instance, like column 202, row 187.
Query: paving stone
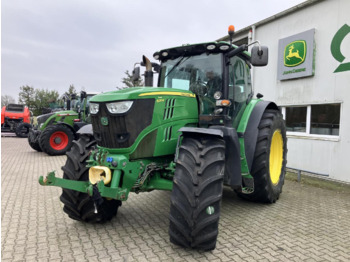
column 305, row 224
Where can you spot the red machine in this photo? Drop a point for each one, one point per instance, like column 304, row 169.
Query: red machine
column 15, row 118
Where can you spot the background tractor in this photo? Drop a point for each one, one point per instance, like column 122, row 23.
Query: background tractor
column 16, row 118
column 199, row 130
column 55, row 132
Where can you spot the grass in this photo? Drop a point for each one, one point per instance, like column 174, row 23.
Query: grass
column 319, row 182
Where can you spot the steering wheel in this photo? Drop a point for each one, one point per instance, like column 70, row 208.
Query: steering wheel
column 199, row 88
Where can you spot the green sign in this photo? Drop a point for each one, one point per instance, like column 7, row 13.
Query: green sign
column 295, row 53
column 335, row 48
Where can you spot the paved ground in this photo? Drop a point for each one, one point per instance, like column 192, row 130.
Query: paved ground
column 306, row 224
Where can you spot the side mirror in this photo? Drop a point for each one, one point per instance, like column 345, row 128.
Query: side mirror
column 136, row 74
column 156, row 67
column 259, row 56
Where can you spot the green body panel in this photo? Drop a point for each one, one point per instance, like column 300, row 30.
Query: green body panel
column 246, row 115
column 241, row 129
column 66, row 117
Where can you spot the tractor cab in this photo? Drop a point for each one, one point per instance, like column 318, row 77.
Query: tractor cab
column 218, row 73
column 222, row 83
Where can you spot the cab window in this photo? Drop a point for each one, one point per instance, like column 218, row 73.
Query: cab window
column 240, row 87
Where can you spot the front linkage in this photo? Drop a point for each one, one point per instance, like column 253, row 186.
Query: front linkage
column 115, row 176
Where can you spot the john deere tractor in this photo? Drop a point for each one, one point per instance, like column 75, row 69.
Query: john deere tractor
column 55, row 132
column 199, row 130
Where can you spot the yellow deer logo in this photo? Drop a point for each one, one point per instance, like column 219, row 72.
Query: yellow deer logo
column 294, row 53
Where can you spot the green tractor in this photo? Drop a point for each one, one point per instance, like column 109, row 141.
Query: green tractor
column 55, row 132
column 199, row 130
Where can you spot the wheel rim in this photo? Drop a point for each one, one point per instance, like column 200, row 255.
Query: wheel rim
column 59, row 140
column 276, row 157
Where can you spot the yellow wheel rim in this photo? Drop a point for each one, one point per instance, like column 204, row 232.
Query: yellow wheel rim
column 276, row 157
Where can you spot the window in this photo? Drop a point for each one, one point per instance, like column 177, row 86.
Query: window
column 192, row 72
column 240, row 88
column 321, row 119
column 239, row 80
column 325, row 119
column 296, row 119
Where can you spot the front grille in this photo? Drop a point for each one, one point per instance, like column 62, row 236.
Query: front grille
column 122, row 130
column 169, row 108
column 18, row 120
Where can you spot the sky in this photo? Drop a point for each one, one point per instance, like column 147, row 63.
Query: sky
column 90, row 44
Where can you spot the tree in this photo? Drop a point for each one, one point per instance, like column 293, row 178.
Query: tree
column 37, row 99
column 26, row 96
column 5, row 100
column 43, row 99
column 71, row 90
column 128, row 82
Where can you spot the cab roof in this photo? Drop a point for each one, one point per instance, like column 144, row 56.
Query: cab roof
column 196, row 49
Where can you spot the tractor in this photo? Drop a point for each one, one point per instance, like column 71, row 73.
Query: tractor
column 55, row 131
column 16, row 118
column 199, row 130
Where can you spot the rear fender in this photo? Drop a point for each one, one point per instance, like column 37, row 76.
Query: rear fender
column 251, row 130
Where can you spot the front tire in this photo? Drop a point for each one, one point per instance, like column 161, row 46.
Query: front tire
column 270, row 158
column 33, row 139
column 22, row 130
column 80, row 206
column 56, row 139
column 197, row 192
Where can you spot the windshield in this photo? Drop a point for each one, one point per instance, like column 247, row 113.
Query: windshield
column 200, row 74
column 74, row 104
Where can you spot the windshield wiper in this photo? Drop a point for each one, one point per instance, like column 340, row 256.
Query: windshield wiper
column 182, row 60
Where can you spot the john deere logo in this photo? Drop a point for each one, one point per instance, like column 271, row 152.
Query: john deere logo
column 295, row 53
column 104, row 121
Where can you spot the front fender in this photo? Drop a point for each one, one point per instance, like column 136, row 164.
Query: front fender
column 233, row 176
column 87, row 130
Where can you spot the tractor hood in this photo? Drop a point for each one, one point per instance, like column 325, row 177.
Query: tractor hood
column 140, row 93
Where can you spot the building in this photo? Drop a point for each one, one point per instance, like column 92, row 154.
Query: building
column 308, row 76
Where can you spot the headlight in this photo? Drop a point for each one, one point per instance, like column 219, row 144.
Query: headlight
column 94, row 108
column 119, row 107
column 217, row 95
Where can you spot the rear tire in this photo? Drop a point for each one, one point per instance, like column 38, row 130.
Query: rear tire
column 79, row 206
column 22, row 130
column 197, row 192
column 56, row 139
column 270, row 158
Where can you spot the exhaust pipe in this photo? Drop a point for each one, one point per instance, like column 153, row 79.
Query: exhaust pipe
column 148, row 72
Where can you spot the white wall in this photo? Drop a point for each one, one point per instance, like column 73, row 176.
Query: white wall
column 327, row 17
